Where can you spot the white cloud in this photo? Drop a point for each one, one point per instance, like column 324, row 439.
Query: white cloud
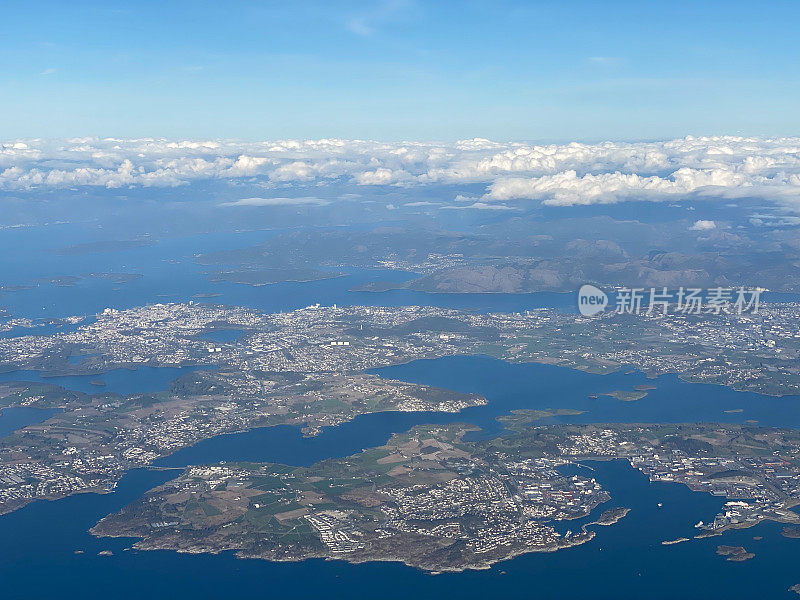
column 567, row 188
column 294, row 171
column 380, row 176
column 766, row 220
column 555, row 174
column 276, row 202
column 703, row 225
column 477, row 206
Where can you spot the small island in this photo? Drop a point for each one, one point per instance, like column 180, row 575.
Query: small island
column 791, row 532
column 521, row 418
column 734, row 553
column 611, row 516
column 627, row 395
column 679, row 540
column 261, row 277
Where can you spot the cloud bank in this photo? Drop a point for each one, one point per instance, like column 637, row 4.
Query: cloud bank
column 562, row 175
column 276, row 202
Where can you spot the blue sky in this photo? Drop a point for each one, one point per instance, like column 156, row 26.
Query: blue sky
column 400, row 69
